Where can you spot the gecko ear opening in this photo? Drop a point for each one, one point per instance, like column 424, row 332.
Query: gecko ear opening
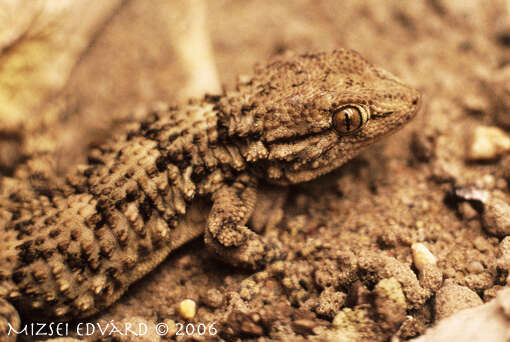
column 349, row 119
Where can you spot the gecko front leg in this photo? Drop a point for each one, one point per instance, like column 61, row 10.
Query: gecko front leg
column 226, row 233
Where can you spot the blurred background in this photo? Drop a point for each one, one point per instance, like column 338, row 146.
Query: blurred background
column 72, row 72
column 67, row 63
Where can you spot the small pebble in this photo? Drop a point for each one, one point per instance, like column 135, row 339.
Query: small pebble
column 352, row 320
column 487, row 143
column 467, row 211
column 330, row 302
column 287, row 283
column 496, row 215
column 475, row 267
column 390, row 303
column 475, row 104
column 410, row 328
column 213, row 298
column 491, row 293
column 452, row 298
column 187, row 309
column 303, row 326
column 487, row 181
column 468, row 193
column 431, row 277
column 501, row 184
column 422, row 256
column 251, row 325
column 504, row 260
column 444, row 170
column 504, row 246
column 482, row 244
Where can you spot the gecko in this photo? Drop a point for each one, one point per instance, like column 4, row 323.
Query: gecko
column 189, row 171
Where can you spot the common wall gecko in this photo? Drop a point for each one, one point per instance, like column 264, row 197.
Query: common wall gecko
column 189, row 171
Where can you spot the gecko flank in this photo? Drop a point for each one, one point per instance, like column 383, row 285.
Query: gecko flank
column 189, row 171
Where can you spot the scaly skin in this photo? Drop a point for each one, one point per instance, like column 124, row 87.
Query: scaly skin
column 75, row 249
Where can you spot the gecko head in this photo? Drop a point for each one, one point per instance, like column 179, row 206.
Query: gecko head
column 306, row 116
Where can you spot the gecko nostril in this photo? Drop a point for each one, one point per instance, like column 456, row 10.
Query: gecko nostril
column 415, row 100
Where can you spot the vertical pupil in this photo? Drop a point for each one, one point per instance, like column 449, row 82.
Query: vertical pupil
column 347, row 122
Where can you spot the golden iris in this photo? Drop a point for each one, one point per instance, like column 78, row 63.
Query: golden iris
column 349, row 119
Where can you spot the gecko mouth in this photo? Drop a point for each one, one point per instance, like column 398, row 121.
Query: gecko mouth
column 381, row 115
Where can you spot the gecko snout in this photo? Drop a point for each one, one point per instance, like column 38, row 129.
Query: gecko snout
column 416, row 101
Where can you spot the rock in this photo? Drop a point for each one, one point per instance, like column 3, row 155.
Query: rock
column 390, row 303
column 422, row 256
column 493, row 205
column 496, row 215
column 471, row 193
column 431, row 277
column 452, row 298
column 353, row 325
column 330, row 302
column 487, row 143
column 425, row 262
column 380, row 266
column 504, row 246
column 187, row 309
column 445, row 170
column 486, row 181
column 246, row 323
column 213, row 298
column 504, row 259
column 467, row 211
column 304, row 326
column 475, row 267
column 488, row 322
column 475, row 103
column 410, row 328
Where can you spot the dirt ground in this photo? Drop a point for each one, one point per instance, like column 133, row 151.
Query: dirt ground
column 438, row 189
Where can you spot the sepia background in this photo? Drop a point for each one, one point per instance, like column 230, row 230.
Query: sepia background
column 381, row 250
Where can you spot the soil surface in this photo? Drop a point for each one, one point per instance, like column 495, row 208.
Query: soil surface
column 409, row 232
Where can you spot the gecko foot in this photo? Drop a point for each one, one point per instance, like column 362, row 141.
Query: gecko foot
column 227, row 234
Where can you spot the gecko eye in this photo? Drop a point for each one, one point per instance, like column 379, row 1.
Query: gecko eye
column 349, row 119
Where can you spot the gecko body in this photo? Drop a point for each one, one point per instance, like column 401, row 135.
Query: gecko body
column 189, row 171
